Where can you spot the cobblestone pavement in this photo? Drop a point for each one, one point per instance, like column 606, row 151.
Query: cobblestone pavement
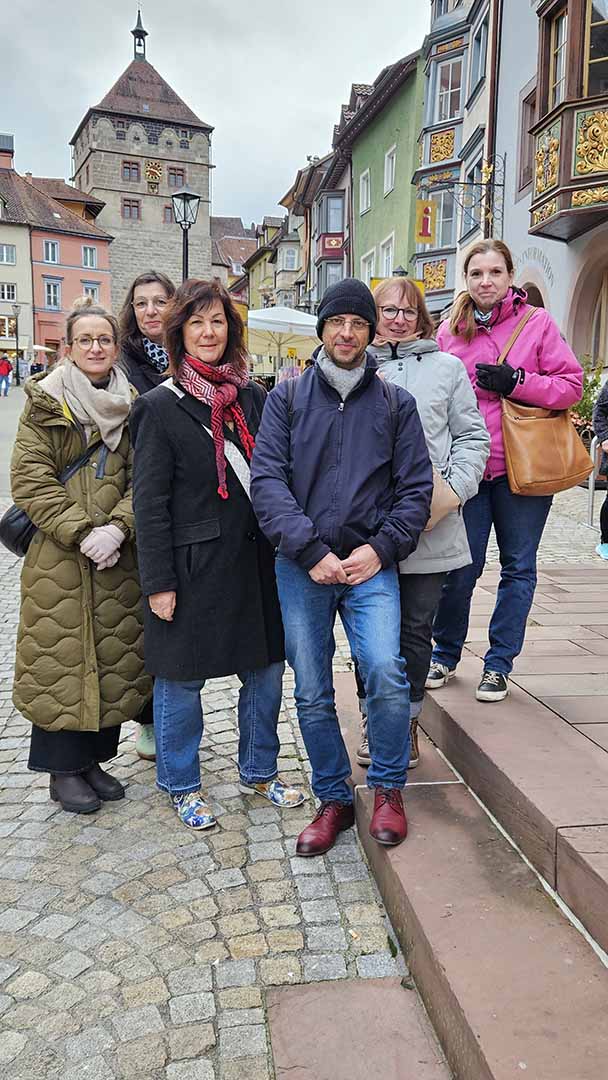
column 130, row 947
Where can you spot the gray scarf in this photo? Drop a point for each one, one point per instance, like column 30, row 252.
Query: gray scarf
column 342, row 379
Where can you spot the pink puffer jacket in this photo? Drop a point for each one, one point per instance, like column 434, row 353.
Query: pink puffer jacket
column 553, row 376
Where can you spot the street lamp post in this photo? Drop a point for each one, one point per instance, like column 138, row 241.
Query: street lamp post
column 185, row 210
column 16, row 313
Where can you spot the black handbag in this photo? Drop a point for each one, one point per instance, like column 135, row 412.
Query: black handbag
column 16, row 528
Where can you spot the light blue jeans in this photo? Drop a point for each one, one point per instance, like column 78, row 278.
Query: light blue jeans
column 4, row 385
column 371, row 614
column 178, row 728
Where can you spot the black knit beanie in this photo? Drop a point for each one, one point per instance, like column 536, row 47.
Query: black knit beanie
column 348, row 297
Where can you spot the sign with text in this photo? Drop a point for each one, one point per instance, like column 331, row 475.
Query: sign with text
column 426, row 221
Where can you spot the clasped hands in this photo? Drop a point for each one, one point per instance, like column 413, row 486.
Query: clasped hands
column 361, row 564
column 102, row 546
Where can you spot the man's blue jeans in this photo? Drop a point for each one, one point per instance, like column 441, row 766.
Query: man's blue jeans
column 178, row 727
column 4, row 385
column 372, row 617
column 519, row 521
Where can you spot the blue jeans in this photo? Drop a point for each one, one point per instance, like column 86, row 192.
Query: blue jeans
column 519, row 521
column 372, row 617
column 4, row 385
column 178, row 727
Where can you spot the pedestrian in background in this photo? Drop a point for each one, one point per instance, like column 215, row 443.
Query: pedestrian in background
column 458, row 445
column 207, row 572
column 6, row 369
column 540, row 370
column 79, row 671
column 341, row 484
column 146, row 362
column 600, row 428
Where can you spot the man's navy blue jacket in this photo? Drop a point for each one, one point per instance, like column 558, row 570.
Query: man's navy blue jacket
column 341, row 474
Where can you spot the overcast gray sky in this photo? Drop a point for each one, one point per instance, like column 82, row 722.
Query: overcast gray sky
column 269, row 76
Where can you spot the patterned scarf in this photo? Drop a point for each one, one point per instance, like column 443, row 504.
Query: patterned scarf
column 155, row 355
column 218, row 387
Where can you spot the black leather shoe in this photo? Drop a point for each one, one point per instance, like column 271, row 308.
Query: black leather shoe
column 74, row 794
column 107, row 787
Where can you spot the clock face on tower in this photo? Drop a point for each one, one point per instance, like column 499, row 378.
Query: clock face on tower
column 154, row 170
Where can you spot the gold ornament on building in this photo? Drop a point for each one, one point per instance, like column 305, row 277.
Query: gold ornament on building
column 544, row 212
column 547, row 159
column 434, row 274
column 442, row 145
column 590, row 196
column 591, row 142
column 153, row 171
column 447, row 46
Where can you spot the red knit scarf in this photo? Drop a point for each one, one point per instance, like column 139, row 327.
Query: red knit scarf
column 218, row 387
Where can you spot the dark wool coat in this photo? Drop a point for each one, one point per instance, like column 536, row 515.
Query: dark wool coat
column 209, row 550
column 140, row 373
column 80, row 663
column 600, row 423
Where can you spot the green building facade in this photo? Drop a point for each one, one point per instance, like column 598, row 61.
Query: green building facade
column 384, row 158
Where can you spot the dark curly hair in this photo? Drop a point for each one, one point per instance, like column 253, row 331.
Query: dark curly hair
column 196, row 295
column 130, row 334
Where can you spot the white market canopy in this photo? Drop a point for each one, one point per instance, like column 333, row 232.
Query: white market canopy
column 281, row 331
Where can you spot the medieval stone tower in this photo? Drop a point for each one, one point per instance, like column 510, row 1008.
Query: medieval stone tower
column 132, row 152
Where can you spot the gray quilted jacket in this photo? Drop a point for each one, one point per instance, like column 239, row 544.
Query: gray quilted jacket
column 456, row 437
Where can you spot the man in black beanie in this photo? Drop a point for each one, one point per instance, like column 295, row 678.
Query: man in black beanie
column 341, row 484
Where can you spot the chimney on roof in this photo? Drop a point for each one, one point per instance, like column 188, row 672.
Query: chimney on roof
column 7, row 151
column 28, row 177
column 139, row 35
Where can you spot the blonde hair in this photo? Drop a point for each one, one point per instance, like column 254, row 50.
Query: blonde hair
column 462, row 318
column 410, row 292
column 85, row 305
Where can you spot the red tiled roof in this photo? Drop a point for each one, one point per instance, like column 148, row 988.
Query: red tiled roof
column 58, row 189
column 27, row 205
column 141, row 91
column 237, row 248
column 217, row 255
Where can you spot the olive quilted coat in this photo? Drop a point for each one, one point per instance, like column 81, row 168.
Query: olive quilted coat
column 80, row 644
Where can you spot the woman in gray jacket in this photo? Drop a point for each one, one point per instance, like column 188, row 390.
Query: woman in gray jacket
column 458, row 445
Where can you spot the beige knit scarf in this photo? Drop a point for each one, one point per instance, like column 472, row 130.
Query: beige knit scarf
column 105, row 408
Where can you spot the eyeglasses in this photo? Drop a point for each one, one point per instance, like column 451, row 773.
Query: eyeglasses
column 85, row 342
column 337, row 322
column 391, row 312
column 158, row 302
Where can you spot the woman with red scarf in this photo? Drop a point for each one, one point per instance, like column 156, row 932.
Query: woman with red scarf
column 207, row 572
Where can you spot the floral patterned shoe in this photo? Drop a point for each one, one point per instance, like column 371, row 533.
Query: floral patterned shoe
column 276, row 792
column 192, row 810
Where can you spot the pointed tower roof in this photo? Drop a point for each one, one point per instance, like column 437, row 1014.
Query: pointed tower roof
column 142, row 93
column 139, row 35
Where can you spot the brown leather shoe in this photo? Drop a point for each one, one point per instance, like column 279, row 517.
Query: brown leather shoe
column 389, row 823
column 332, row 818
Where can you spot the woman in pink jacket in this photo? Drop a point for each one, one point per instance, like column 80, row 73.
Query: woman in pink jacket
column 540, row 370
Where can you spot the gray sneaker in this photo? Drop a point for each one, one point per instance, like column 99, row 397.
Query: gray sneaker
column 414, row 748
column 438, row 676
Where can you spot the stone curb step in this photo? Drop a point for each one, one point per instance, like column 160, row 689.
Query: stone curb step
column 510, row 985
column 543, row 780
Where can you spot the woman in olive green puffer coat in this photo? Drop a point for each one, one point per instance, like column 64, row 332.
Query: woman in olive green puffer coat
column 79, row 668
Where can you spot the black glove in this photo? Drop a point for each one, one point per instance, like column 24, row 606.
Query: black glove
column 498, row 378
